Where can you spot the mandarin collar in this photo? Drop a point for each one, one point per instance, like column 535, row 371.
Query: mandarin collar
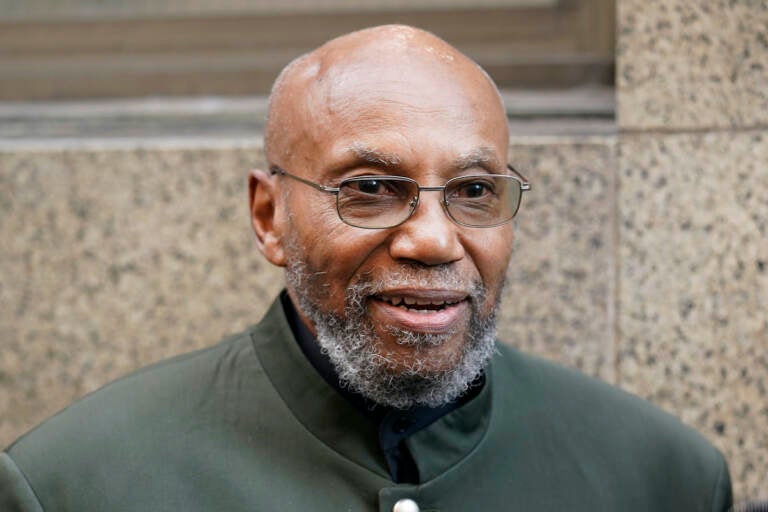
column 351, row 425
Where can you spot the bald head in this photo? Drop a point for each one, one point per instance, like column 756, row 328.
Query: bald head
column 393, row 66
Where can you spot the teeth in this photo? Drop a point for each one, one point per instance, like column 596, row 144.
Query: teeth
column 413, row 301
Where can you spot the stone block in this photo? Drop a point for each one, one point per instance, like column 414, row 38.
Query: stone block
column 112, row 259
column 693, row 274
column 686, row 64
column 559, row 298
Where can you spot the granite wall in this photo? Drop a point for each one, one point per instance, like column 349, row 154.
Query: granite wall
column 692, row 94
column 112, row 259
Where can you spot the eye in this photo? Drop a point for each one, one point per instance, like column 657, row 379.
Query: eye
column 475, row 188
column 374, row 186
column 370, row 186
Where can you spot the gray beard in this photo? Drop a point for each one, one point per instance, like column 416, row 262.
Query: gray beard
column 351, row 343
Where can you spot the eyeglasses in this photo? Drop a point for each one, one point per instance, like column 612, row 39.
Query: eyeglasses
column 380, row 202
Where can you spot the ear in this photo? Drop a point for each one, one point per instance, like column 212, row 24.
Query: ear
column 264, row 201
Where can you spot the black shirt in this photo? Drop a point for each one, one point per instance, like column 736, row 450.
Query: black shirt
column 394, row 425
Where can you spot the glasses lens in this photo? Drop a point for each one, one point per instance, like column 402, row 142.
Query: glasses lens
column 483, row 200
column 376, row 202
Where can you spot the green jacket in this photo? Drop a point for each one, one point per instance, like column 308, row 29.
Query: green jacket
column 249, row 425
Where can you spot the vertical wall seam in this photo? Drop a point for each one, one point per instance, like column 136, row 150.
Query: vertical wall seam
column 614, row 303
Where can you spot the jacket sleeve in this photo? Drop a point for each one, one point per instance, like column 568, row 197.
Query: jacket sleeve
column 16, row 495
column 722, row 494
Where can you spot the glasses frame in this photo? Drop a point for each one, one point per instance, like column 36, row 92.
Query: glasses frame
column 414, row 203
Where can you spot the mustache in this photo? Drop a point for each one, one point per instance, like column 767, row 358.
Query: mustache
column 442, row 277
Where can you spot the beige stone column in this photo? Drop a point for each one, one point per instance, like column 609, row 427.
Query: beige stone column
column 692, row 86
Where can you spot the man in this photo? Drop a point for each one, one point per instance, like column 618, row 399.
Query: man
column 374, row 382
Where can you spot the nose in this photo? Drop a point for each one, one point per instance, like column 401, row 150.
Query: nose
column 428, row 237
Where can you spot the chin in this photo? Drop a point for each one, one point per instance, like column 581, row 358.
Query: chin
column 424, row 353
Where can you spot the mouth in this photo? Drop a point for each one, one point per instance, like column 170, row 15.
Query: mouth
column 427, row 311
column 418, row 304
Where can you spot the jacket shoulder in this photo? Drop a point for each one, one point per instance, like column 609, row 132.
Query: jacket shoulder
column 575, row 396
column 606, row 431
column 145, row 400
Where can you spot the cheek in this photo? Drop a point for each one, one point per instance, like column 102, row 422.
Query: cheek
column 345, row 255
column 340, row 254
column 318, row 211
column 311, row 222
column 492, row 254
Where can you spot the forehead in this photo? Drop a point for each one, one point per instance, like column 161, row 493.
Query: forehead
column 403, row 111
column 411, row 83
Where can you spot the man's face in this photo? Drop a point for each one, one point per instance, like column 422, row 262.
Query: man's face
column 421, row 294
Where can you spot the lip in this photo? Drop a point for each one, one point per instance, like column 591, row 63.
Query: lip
column 438, row 321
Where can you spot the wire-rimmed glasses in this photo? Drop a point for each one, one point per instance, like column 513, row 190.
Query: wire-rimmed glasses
column 380, row 202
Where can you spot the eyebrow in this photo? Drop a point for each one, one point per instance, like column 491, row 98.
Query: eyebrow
column 369, row 155
column 483, row 156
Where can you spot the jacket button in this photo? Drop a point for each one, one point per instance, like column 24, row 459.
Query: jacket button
column 405, row 505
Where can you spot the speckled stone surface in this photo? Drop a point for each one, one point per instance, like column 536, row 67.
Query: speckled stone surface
column 112, row 259
column 693, row 301
column 559, row 300
column 692, row 63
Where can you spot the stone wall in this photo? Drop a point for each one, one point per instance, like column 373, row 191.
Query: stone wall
column 692, row 94
column 116, row 258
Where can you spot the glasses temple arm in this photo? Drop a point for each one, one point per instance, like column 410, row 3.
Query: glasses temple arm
column 274, row 169
column 524, row 183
